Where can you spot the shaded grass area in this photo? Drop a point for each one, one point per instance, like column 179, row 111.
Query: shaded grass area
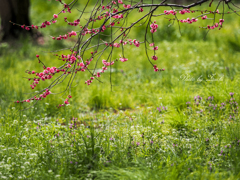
column 113, row 129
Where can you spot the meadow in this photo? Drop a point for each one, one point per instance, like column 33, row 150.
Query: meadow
column 182, row 123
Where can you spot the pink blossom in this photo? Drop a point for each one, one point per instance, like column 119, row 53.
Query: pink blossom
column 116, row 45
column 81, row 64
column 73, row 33
column 103, row 28
column 152, row 44
column 136, row 43
column 66, row 102
column 55, row 16
column 45, row 71
column 153, row 30
column 123, row 59
column 153, row 27
column 154, row 57
column 112, row 24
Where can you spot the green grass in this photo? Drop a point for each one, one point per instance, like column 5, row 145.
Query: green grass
column 114, row 130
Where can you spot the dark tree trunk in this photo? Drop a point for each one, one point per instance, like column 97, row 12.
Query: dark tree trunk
column 16, row 11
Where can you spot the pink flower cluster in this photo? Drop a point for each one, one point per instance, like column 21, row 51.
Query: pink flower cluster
column 184, row 11
column 123, row 59
column 73, row 33
column 45, row 24
column 66, row 6
column 188, row 20
column 136, row 43
column 75, row 23
column 153, row 27
column 103, row 28
column 216, row 24
column 126, row 6
column 120, row 16
column 55, row 16
column 98, row 74
column 88, row 82
column 90, row 31
column 116, row 45
column 156, row 68
column 104, row 7
column 173, row 12
column 107, row 63
column 43, row 95
column 65, row 102
column 130, row 41
column 140, row 9
column 154, row 57
column 152, row 44
column 50, row 71
column 46, row 74
column 70, row 58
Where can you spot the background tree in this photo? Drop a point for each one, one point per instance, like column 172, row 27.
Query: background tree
column 16, row 11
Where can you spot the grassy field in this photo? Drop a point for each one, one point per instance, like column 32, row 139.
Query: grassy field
column 182, row 123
